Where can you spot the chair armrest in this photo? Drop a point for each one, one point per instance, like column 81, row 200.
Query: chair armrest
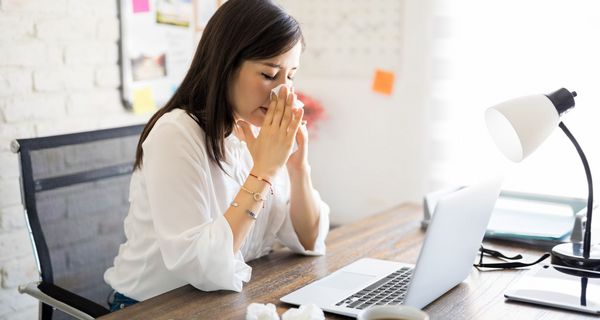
column 64, row 300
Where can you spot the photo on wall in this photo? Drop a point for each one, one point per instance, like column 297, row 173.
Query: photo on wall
column 158, row 41
column 174, row 12
column 146, row 67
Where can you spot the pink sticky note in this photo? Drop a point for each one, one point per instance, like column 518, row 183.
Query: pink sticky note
column 140, row 6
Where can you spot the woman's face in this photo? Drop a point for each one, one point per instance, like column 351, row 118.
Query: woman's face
column 255, row 79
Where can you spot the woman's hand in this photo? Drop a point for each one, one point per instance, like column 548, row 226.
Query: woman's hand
column 271, row 149
column 298, row 161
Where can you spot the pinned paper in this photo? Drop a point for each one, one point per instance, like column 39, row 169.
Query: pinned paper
column 383, row 82
column 143, row 100
column 140, row 6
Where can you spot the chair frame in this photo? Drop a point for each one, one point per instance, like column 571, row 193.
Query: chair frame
column 50, row 295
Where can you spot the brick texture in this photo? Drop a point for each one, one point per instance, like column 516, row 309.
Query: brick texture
column 59, row 73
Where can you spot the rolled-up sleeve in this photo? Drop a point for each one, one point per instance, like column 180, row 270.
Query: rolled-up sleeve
column 287, row 234
column 195, row 243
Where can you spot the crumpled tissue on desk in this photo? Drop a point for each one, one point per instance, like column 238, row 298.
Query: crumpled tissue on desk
column 259, row 311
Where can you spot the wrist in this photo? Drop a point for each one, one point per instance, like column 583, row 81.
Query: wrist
column 266, row 175
column 256, row 186
column 299, row 171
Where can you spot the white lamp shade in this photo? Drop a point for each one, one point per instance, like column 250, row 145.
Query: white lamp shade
column 520, row 125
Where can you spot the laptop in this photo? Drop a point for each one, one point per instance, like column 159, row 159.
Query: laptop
column 447, row 255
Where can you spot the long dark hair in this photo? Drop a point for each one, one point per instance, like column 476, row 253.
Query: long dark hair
column 239, row 30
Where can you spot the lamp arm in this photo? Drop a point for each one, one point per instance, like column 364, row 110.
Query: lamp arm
column 587, row 238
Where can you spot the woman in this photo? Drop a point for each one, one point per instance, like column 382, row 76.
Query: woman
column 210, row 190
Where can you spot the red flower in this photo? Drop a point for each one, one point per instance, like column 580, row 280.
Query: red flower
column 313, row 110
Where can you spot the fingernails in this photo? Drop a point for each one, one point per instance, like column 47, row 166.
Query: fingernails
column 277, row 89
column 281, row 93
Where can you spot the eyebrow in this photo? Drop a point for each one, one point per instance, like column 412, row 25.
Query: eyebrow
column 275, row 65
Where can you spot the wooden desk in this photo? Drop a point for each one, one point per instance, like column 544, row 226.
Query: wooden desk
column 394, row 235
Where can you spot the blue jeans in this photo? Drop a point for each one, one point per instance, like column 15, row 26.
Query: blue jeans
column 121, row 301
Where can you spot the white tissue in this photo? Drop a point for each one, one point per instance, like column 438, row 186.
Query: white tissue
column 298, row 104
column 306, row 312
column 259, row 311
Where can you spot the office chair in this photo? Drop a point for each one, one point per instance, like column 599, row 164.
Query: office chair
column 75, row 192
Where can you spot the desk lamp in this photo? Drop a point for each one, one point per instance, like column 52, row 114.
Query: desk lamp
column 518, row 127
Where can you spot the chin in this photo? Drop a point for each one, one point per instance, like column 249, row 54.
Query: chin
column 257, row 122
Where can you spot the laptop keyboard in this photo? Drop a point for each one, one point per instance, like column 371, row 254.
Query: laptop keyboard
column 389, row 290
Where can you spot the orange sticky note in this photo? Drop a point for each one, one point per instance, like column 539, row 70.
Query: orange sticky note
column 143, row 100
column 383, row 82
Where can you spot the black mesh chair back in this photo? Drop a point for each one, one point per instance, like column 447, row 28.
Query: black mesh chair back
column 75, row 190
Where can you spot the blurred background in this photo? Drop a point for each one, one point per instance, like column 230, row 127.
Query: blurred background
column 403, row 85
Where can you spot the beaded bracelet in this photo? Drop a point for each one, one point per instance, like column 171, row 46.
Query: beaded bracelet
column 257, row 196
column 250, row 213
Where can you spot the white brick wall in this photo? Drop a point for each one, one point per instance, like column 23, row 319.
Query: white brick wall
column 18, row 271
column 58, row 74
column 14, row 81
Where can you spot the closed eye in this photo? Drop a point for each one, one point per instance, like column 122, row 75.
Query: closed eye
column 268, row 77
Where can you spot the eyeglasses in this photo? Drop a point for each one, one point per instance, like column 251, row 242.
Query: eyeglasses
column 504, row 265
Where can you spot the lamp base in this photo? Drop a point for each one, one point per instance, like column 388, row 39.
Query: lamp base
column 570, row 255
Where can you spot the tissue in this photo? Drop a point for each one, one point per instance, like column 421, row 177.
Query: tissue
column 298, row 104
column 306, row 312
column 259, row 311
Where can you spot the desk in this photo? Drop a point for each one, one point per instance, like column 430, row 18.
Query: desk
column 394, row 234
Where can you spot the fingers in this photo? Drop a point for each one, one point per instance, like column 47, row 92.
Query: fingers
column 271, row 110
column 296, row 122
column 287, row 114
column 280, row 108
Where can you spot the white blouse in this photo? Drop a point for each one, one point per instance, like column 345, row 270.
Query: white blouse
column 176, row 232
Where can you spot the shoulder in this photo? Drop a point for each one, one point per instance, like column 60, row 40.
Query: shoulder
column 176, row 127
column 181, row 119
column 177, row 121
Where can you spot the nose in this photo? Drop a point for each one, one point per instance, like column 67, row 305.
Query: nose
column 280, row 82
column 286, row 81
